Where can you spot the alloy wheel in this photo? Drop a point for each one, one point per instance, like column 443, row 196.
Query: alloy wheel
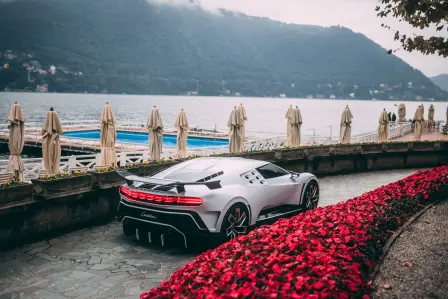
column 311, row 196
column 236, row 223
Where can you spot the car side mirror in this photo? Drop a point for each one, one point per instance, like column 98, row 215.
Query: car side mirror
column 294, row 175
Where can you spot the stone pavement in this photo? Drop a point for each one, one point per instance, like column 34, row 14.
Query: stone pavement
column 99, row 262
column 416, row 265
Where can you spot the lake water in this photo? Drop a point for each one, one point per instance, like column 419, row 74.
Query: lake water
column 264, row 114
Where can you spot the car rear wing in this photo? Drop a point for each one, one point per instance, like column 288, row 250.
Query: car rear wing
column 180, row 186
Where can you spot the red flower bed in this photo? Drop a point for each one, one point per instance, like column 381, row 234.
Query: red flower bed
column 324, row 253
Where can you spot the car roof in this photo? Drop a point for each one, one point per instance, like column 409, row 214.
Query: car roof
column 197, row 169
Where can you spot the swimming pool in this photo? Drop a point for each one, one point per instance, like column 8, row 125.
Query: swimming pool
column 142, row 138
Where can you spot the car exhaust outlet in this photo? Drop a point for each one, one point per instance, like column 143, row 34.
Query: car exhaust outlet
column 149, row 237
column 137, row 234
column 162, row 239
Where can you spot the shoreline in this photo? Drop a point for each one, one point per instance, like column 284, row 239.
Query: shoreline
column 221, row 97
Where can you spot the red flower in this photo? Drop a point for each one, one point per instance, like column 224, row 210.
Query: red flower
column 323, row 253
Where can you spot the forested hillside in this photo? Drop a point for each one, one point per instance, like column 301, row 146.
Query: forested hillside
column 133, row 46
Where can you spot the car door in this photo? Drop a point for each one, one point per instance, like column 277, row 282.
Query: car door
column 278, row 185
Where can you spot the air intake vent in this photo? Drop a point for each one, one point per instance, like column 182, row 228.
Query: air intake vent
column 208, row 178
column 148, row 186
column 163, row 188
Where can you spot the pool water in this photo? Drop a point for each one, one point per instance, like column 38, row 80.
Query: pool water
column 142, row 138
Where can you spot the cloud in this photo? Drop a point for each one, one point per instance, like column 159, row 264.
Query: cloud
column 207, row 6
column 358, row 15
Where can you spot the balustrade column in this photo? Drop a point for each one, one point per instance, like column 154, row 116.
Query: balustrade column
column 72, row 161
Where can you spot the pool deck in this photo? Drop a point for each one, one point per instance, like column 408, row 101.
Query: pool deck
column 170, row 132
column 34, row 139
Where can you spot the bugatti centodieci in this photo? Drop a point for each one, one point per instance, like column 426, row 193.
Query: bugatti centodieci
column 215, row 196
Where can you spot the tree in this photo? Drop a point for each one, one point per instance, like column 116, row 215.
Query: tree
column 420, row 14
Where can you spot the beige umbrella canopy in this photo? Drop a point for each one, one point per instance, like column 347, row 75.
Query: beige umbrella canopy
column 235, row 132
column 296, row 128
column 155, row 130
column 243, row 118
column 401, row 113
column 346, row 126
column 289, row 124
column 181, row 125
column 383, row 127
column 446, row 116
column 431, row 122
column 108, row 137
column 51, row 145
column 418, row 122
column 16, row 141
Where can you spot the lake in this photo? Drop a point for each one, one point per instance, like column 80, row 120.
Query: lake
column 264, row 114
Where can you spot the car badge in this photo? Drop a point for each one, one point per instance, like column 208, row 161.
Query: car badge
column 148, row 215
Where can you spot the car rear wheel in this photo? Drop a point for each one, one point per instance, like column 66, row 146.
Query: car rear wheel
column 310, row 198
column 235, row 222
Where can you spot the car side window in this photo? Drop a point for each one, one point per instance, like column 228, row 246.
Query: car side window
column 270, row 171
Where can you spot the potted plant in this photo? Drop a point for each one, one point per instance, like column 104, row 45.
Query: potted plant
column 106, row 177
column 15, row 191
column 62, row 184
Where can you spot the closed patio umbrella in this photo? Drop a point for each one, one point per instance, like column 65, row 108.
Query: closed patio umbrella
column 181, row 125
column 346, row 126
column 418, row 122
column 51, row 145
column 289, row 123
column 108, row 137
column 235, row 131
column 296, row 128
column 155, row 130
column 16, row 141
column 401, row 113
column 431, row 122
column 383, row 127
column 243, row 118
column 446, row 123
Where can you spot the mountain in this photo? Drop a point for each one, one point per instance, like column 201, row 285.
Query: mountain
column 136, row 46
column 441, row 81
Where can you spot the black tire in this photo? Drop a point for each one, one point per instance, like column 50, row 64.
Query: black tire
column 235, row 222
column 310, row 198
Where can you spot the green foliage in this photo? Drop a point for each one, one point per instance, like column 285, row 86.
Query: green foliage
column 421, row 15
column 134, row 47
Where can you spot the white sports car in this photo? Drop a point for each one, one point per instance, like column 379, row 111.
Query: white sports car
column 223, row 197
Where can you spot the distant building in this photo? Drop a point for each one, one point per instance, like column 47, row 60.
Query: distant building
column 6, row 65
column 42, row 88
column 352, row 95
column 52, row 69
column 310, row 96
column 332, row 96
column 282, row 95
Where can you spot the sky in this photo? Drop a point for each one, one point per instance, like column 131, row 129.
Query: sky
column 358, row 15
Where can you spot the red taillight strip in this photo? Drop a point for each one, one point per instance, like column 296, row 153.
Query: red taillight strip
column 160, row 199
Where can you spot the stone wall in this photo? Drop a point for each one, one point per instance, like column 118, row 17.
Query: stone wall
column 52, row 207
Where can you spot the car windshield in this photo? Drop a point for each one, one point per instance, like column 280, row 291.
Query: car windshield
column 270, row 171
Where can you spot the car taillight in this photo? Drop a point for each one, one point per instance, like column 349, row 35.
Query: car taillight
column 160, row 199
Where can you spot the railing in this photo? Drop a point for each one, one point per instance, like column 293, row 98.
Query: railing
column 395, row 131
column 134, row 153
